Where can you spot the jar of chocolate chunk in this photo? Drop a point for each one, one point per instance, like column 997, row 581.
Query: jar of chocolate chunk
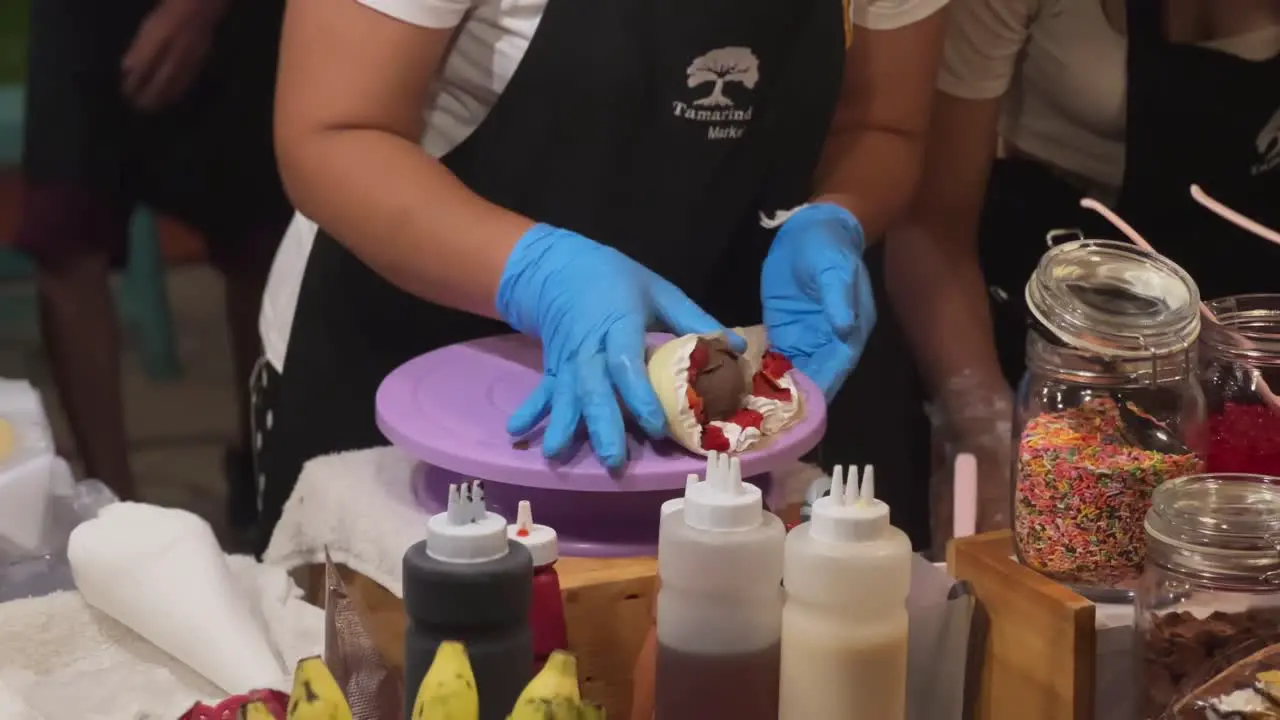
column 1208, row 604
column 1108, row 409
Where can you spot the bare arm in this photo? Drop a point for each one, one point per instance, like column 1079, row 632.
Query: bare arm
column 349, row 113
column 871, row 160
column 931, row 264
column 938, row 292
column 932, row 269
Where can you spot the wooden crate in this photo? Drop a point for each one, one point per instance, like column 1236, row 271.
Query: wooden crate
column 608, row 605
column 1041, row 640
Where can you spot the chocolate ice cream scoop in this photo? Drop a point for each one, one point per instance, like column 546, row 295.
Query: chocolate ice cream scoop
column 720, row 383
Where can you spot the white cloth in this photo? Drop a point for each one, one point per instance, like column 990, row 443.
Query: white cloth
column 491, row 39
column 60, row 658
column 360, row 506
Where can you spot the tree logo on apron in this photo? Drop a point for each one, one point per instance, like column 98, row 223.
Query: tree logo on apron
column 718, row 71
column 1269, row 145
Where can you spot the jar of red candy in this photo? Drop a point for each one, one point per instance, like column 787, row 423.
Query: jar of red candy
column 1109, row 408
column 1240, row 374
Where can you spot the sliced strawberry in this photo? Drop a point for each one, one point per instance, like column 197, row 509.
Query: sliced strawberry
column 713, row 438
column 747, row 418
column 695, row 404
column 766, row 387
column 774, row 364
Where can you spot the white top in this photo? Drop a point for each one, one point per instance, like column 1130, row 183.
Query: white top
column 722, row 502
column 850, row 513
column 541, row 541
column 1063, row 66
column 466, row 532
column 493, row 36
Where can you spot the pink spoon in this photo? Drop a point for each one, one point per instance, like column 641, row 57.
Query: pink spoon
column 1234, row 217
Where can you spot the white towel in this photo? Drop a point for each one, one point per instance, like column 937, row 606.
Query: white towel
column 61, row 659
column 360, row 505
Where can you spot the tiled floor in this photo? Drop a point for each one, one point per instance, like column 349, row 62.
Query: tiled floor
column 177, row 429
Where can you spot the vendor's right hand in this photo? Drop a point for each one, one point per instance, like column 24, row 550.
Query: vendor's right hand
column 590, row 305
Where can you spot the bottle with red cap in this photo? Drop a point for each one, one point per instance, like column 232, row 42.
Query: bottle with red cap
column 546, row 612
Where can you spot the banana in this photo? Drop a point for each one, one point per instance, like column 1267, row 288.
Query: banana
column 256, row 710
column 316, row 695
column 448, row 690
column 554, row 695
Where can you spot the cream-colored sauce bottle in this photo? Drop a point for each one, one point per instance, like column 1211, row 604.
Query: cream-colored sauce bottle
column 844, row 622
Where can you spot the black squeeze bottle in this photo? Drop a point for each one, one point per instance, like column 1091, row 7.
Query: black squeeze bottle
column 468, row 582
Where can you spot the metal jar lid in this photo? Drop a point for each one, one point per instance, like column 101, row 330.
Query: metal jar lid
column 1114, row 299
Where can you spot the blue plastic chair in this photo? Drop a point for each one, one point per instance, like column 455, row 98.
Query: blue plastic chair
column 142, row 296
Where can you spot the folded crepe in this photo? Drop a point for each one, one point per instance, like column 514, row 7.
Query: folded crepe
column 717, row 399
column 1248, row 689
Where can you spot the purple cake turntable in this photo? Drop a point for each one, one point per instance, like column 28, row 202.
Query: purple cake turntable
column 449, row 409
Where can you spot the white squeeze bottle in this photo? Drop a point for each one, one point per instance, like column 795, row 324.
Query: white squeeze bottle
column 844, row 625
column 719, row 602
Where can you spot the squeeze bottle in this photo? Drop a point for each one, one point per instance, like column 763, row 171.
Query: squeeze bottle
column 719, row 602
column 546, row 613
column 468, row 582
column 844, row 625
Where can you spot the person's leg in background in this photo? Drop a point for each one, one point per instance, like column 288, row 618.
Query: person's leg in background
column 73, row 241
column 222, row 180
column 75, row 213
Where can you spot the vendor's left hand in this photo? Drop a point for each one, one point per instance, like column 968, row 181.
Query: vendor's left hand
column 818, row 303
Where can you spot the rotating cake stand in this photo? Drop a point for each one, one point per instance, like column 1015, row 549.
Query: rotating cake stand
column 449, row 409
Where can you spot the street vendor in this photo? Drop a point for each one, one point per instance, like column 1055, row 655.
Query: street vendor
column 628, row 165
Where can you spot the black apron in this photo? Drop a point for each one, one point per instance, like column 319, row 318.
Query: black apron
column 1193, row 116
column 1202, row 116
column 660, row 127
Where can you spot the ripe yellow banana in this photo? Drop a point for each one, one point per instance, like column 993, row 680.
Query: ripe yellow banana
column 316, row 695
column 448, row 690
column 553, row 694
column 256, row 710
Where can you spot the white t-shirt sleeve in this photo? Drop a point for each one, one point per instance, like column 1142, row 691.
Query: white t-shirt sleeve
column 984, row 39
column 438, row 14
column 891, row 14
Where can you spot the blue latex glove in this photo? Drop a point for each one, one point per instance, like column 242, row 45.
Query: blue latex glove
column 818, row 304
column 590, row 305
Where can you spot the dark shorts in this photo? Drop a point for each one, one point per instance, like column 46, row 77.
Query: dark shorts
column 90, row 157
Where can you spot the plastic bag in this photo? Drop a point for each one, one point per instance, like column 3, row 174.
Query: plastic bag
column 27, row 572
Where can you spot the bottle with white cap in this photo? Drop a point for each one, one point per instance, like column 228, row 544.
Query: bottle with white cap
column 720, row 601
column 469, row 582
column 844, row 625
column 546, row 611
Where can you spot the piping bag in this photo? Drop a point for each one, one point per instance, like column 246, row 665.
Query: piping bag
column 161, row 573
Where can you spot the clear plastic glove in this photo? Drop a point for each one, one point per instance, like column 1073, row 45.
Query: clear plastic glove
column 971, row 418
column 818, row 303
column 590, row 305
